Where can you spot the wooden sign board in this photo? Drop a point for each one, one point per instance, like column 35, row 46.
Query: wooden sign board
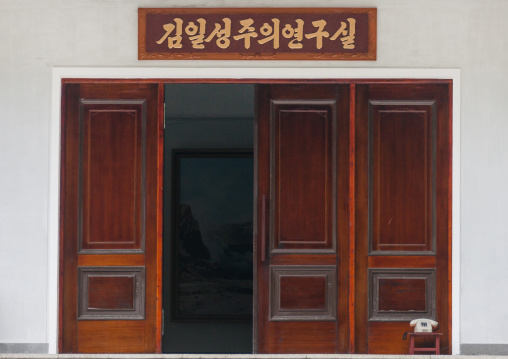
column 257, row 34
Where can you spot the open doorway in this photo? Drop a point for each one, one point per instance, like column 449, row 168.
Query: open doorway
column 208, row 218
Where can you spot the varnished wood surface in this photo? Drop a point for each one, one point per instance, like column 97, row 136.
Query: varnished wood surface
column 68, row 220
column 350, row 269
column 375, row 337
column 329, row 81
column 303, row 139
column 328, row 335
column 124, row 336
column 112, row 180
column 402, row 170
column 86, row 260
column 402, row 261
column 352, row 311
column 91, row 335
column 160, row 219
column 302, row 337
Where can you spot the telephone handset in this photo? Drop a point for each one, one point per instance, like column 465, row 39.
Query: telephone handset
column 423, row 325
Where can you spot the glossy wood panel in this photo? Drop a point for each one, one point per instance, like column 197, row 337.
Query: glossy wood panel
column 90, row 260
column 401, row 294
column 402, row 176
column 112, row 178
column 303, row 166
column 303, row 293
column 386, row 337
column 106, row 293
column 123, row 336
column 302, row 337
column 110, row 293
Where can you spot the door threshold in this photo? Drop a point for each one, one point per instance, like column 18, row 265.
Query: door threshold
column 231, row 356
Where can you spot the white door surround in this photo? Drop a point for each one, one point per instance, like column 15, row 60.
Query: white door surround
column 60, row 73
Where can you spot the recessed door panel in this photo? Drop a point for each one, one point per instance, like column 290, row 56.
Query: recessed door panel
column 112, row 158
column 402, row 140
column 302, row 162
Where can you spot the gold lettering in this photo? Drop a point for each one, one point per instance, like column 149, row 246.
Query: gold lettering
column 174, row 42
column 246, row 32
column 348, row 41
column 222, row 34
column 319, row 34
column 196, row 38
column 268, row 30
column 289, row 32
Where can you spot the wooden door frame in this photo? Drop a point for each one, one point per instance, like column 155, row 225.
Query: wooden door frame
column 242, row 75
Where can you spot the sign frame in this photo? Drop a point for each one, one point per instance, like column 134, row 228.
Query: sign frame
column 145, row 52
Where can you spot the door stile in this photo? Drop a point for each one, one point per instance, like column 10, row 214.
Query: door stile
column 351, row 273
column 343, row 197
column 450, row 207
column 255, row 191
column 160, row 217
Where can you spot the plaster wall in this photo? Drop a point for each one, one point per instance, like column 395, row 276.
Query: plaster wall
column 37, row 35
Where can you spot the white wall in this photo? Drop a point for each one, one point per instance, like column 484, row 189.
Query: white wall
column 36, row 35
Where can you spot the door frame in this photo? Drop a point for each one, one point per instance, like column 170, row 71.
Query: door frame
column 255, row 74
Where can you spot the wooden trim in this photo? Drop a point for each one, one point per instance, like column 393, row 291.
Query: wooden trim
column 88, row 260
column 60, row 227
column 351, row 276
column 332, row 81
column 255, row 334
column 160, row 218
column 68, row 250
column 396, row 261
column 450, row 207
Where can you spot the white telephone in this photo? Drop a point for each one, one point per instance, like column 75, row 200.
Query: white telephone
column 423, row 325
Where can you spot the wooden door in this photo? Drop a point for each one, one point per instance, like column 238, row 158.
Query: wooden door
column 110, row 224
column 403, row 213
column 302, row 219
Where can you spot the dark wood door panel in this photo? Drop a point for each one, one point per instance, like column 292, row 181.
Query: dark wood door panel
column 302, row 161
column 112, row 176
column 402, row 212
column 302, row 337
column 302, row 150
column 109, row 215
column 123, row 336
column 386, row 338
column 303, row 293
column 402, row 176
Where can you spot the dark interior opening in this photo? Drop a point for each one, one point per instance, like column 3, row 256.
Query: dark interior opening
column 208, row 218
